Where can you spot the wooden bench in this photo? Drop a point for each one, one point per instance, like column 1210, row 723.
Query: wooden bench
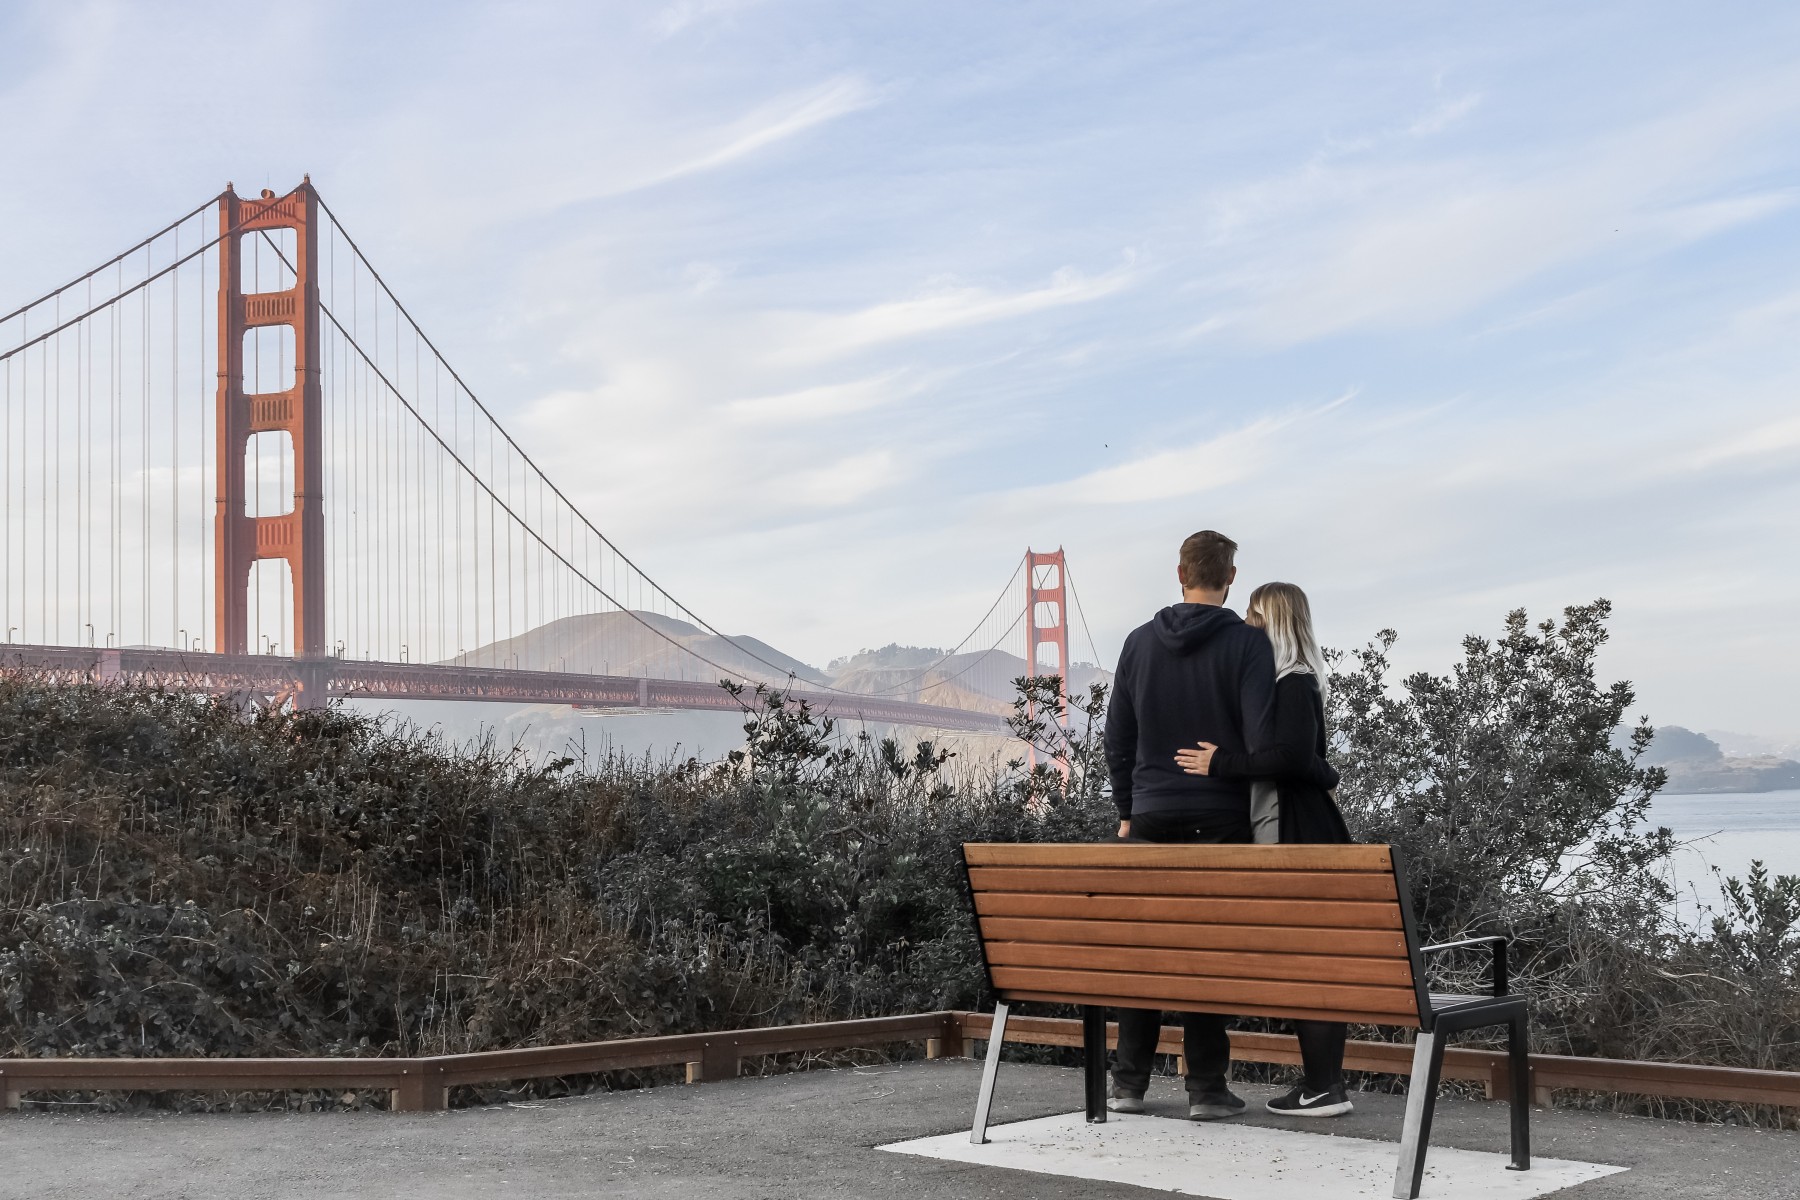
column 1299, row 932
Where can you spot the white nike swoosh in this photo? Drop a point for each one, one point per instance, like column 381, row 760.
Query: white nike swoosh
column 1305, row 1099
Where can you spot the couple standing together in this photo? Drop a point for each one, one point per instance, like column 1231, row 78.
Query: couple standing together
column 1216, row 733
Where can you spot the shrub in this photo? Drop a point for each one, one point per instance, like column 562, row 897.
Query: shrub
column 181, row 877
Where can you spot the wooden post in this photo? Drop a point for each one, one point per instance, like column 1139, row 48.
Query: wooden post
column 718, row 1060
column 420, row 1089
column 948, row 1044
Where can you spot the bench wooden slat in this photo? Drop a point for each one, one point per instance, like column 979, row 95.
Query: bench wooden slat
column 1364, row 943
column 1128, row 881
column 1170, row 991
column 1402, row 1020
column 1235, row 858
column 1250, row 967
column 1330, row 914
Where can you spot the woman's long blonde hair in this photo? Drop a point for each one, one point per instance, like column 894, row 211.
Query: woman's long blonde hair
column 1281, row 611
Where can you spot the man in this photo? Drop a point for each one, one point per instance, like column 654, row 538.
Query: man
column 1194, row 673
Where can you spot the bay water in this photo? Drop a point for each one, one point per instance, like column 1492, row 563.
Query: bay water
column 1721, row 835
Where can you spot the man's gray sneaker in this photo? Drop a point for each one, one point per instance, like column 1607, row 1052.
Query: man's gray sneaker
column 1123, row 1102
column 1214, row 1106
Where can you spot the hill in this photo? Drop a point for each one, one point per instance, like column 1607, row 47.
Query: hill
column 620, row 643
column 1697, row 765
column 627, row 643
column 980, row 681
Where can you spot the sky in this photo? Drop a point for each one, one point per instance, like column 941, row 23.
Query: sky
column 826, row 312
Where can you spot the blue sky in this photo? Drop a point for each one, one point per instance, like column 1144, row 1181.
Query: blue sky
column 825, row 312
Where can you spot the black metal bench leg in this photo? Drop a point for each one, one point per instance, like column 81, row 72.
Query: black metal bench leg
column 1421, row 1103
column 1093, row 1048
column 1518, row 1052
column 984, row 1099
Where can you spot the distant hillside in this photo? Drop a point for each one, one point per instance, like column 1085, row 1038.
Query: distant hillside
column 618, row 643
column 979, row 681
column 1697, row 765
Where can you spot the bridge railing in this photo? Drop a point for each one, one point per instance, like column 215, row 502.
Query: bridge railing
column 423, row 1084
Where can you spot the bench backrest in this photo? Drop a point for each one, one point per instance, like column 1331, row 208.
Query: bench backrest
column 1320, row 932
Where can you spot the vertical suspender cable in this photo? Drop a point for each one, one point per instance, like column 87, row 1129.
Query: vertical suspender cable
column 116, row 528
column 7, row 570
column 55, row 525
column 144, row 457
column 175, row 445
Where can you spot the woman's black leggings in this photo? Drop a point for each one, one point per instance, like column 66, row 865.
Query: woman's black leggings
column 1321, row 1054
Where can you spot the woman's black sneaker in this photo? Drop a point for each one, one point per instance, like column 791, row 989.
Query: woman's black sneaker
column 1333, row 1102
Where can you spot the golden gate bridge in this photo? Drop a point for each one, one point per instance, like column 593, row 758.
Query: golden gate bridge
column 232, row 462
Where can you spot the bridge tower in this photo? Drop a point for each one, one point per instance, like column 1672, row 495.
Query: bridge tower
column 298, row 535
column 1047, row 614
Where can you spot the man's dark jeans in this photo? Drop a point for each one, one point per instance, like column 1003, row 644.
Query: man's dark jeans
column 1205, row 1043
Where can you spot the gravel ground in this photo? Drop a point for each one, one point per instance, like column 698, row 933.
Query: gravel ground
column 804, row 1135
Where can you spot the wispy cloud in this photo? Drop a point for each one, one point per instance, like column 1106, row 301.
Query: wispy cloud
column 1388, row 245
column 1771, row 440
column 821, row 336
column 821, row 402
column 1444, row 115
column 1221, row 460
column 771, row 123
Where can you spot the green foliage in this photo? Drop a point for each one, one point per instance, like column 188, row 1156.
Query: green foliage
column 1759, row 931
column 1501, row 780
column 1520, row 809
column 1067, row 738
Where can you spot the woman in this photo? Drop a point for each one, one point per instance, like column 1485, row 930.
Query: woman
column 1291, row 802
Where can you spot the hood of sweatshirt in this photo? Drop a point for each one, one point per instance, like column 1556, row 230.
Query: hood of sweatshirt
column 1184, row 628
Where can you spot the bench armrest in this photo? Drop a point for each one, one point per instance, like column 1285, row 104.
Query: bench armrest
column 1495, row 942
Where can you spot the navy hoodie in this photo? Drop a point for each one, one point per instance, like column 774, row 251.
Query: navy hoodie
column 1195, row 673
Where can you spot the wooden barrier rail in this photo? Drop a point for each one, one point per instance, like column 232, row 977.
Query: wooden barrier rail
column 1549, row 1072
column 423, row 1084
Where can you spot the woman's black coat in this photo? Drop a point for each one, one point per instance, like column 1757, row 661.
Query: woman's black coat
column 1295, row 763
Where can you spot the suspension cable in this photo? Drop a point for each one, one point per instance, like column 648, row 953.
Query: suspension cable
column 502, row 504
column 116, row 259
column 1004, row 589
column 545, row 481
column 142, row 283
column 994, row 649
column 1082, row 613
column 532, row 463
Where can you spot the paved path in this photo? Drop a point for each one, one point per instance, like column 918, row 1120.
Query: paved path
column 809, row 1136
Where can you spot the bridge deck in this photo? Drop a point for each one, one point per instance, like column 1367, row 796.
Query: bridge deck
column 810, row 1135
column 332, row 678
